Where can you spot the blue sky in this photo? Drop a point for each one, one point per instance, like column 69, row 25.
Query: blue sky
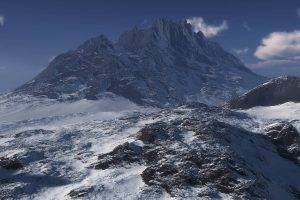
column 264, row 34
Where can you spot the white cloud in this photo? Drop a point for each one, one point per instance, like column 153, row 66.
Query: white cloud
column 298, row 12
column 279, row 45
column 2, row 20
column 2, row 68
column 199, row 24
column 241, row 51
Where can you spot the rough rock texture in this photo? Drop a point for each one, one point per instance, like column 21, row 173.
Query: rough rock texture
column 80, row 192
column 287, row 139
column 10, row 163
column 125, row 153
column 189, row 152
column 165, row 64
column 274, row 92
column 175, row 163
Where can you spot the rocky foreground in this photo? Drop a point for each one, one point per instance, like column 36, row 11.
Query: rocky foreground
column 193, row 151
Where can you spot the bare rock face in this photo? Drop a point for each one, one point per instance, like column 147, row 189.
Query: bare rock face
column 274, row 92
column 175, row 165
column 10, row 163
column 80, row 192
column 287, row 139
column 125, row 153
column 165, row 64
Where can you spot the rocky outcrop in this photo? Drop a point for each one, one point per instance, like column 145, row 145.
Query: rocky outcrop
column 175, row 165
column 274, row 92
column 10, row 163
column 287, row 139
column 125, row 153
column 80, row 192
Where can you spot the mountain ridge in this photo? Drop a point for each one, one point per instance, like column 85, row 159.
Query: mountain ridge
column 165, row 64
column 274, row 92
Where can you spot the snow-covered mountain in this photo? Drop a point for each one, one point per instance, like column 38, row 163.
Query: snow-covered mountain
column 165, row 64
column 104, row 122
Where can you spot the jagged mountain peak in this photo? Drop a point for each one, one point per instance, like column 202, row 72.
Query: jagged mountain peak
column 164, row 64
column 164, row 34
column 100, row 43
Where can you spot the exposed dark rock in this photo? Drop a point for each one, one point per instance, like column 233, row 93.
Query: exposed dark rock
column 287, row 140
column 274, row 92
column 174, row 165
column 80, row 192
column 10, row 163
column 125, row 153
column 153, row 132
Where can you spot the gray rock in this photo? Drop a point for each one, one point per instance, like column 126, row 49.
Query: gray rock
column 80, row 192
column 174, row 165
column 277, row 91
column 287, row 140
column 125, row 153
column 10, row 163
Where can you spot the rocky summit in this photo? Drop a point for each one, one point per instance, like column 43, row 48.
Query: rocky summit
column 163, row 65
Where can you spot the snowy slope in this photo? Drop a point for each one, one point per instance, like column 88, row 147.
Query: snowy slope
column 264, row 115
column 55, row 139
column 60, row 144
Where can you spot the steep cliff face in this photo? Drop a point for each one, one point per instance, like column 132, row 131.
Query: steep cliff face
column 277, row 91
column 165, row 64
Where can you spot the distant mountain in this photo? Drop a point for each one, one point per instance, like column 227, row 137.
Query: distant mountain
column 277, row 91
column 165, row 64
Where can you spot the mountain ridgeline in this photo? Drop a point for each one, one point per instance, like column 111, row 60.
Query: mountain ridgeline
column 164, row 65
column 276, row 91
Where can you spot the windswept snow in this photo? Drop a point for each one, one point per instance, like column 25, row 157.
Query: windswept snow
column 59, row 142
column 265, row 115
column 30, row 108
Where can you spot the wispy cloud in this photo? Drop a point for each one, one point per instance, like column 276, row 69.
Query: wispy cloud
column 199, row 24
column 279, row 53
column 2, row 68
column 279, row 45
column 241, row 51
column 298, row 12
column 2, row 20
